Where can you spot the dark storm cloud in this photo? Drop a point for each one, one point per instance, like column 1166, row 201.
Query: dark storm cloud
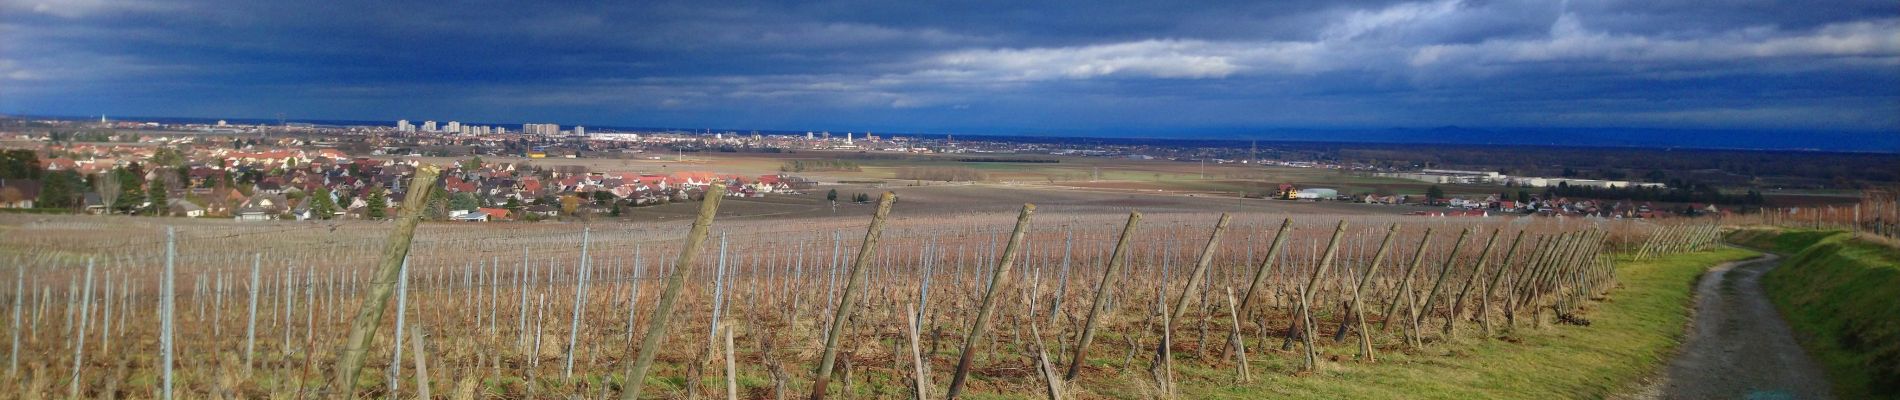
column 991, row 66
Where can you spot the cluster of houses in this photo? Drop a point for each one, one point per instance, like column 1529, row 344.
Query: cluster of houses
column 289, row 183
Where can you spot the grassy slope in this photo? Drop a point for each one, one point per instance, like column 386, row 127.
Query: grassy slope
column 1631, row 335
column 1842, row 297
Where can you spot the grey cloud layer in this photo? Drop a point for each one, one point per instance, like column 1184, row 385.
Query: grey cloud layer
column 994, row 66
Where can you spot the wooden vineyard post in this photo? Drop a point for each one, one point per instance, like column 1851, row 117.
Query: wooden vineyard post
column 1358, row 295
column 675, row 283
column 998, row 281
column 1444, row 271
column 1484, row 302
column 732, row 370
column 1052, row 383
column 1101, row 295
column 1200, row 268
column 866, row 254
column 1163, row 368
column 1458, row 305
column 1279, row 241
column 1240, row 345
column 422, row 361
column 1306, row 297
column 1194, row 278
column 916, row 354
column 363, row 328
column 1512, row 291
column 1405, row 281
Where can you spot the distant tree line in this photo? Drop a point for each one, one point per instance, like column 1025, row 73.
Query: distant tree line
column 1693, row 193
column 819, row 166
column 1010, row 160
column 93, row 135
column 1722, row 167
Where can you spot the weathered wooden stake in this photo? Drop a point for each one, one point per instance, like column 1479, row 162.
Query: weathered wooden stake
column 998, row 283
column 732, row 370
column 422, row 361
column 1052, row 384
column 1490, row 290
column 1240, row 343
column 1101, row 294
column 675, row 282
column 866, row 253
column 1358, row 295
column 363, row 328
column 1444, row 271
column 1306, row 297
column 1266, row 264
column 1457, row 307
column 1405, row 281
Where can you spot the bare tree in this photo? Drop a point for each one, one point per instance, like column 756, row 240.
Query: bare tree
column 108, row 188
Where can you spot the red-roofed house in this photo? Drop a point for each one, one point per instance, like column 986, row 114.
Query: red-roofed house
column 501, row 214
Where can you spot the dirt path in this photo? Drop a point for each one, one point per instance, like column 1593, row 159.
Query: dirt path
column 1738, row 347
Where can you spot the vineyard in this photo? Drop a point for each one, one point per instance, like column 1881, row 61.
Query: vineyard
column 1056, row 305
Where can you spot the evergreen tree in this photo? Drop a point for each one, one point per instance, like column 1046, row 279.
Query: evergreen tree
column 322, row 206
column 59, row 190
column 832, row 195
column 464, row 201
column 131, row 192
column 377, row 204
column 158, row 195
column 1434, row 193
column 19, row 164
column 435, row 200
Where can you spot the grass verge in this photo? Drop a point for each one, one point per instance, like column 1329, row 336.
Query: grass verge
column 1841, row 295
column 1631, row 335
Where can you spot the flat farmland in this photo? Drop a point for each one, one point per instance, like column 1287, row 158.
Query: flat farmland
column 954, row 199
column 1094, row 173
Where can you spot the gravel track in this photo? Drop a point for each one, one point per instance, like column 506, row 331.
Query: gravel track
column 1738, row 346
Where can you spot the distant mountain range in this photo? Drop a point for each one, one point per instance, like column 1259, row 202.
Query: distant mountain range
column 1857, row 142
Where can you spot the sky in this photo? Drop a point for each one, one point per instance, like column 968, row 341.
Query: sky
column 1130, row 68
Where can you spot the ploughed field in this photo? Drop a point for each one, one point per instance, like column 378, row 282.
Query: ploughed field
column 553, row 309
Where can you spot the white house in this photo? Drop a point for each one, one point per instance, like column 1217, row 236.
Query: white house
column 472, row 216
column 1317, row 194
column 184, row 208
